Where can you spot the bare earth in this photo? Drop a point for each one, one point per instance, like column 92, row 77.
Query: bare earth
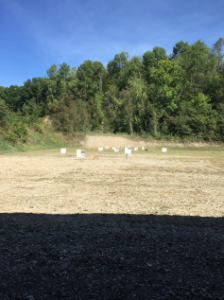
column 110, row 227
column 95, row 141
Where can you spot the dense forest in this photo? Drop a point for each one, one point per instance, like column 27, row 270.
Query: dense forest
column 180, row 95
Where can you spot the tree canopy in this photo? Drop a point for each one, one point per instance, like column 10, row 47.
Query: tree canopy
column 165, row 96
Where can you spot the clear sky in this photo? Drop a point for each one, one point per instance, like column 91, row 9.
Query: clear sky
column 34, row 34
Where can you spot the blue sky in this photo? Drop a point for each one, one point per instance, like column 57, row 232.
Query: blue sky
column 36, row 34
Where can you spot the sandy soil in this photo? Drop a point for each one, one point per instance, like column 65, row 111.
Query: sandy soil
column 187, row 184
column 95, row 141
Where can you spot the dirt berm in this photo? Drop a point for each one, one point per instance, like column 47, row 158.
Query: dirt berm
column 95, row 141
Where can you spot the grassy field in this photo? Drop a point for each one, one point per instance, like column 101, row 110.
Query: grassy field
column 183, row 181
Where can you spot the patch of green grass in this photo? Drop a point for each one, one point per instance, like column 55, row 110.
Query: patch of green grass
column 5, row 146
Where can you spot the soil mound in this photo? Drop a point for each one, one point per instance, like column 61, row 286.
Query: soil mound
column 95, row 141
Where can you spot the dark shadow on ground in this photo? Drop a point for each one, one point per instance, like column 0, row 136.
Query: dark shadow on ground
column 103, row 256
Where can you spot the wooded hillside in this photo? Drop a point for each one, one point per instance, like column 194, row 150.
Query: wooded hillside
column 163, row 96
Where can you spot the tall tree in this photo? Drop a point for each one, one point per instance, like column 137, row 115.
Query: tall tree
column 3, row 109
column 195, row 66
column 179, row 48
column 64, row 71
column 219, row 53
column 116, row 69
column 149, row 63
column 52, row 73
column 84, row 75
column 160, row 54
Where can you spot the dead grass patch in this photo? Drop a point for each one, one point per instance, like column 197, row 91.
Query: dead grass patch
column 145, row 183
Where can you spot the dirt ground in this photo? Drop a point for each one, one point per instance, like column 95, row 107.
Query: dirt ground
column 183, row 182
column 149, row 226
column 95, row 141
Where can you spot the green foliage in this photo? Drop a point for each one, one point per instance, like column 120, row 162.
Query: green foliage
column 201, row 101
column 52, row 71
column 6, row 146
column 64, row 70
column 159, row 53
column 217, row 49
column 65, row 116
column 20, row 130
column 179, row 48
column 176, row 96
column 3, row 109
column 11, row 137
column 38, row 127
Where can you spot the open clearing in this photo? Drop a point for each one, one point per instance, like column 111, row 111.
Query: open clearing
column 185, row 182
column 148, row 226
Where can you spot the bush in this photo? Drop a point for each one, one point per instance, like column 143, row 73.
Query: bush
column 38, row 128
column 20, row 130
column 5, row 146
column 11, row 137
column 3, row 123
column 3, row 109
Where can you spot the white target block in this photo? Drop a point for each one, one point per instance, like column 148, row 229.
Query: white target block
column 127, row 151
column 164, row 150
column 136, row 149
column 107, row 148
column 116, row 149
column 63, row 150
column 143, row 148
column 83, row 152
column 78, row 153
column 100, row 149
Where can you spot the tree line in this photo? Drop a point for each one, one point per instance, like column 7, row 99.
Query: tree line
column 180, row 95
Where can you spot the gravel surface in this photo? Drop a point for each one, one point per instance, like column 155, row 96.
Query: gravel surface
column 111, row 257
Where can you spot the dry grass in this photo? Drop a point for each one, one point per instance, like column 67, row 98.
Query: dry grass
column 147, row 183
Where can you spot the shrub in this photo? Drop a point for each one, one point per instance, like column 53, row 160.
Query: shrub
column 11, row 137
column 5, row 146
column 3, row 123
column 38, row 127
column 3, row 109
column 20, row 130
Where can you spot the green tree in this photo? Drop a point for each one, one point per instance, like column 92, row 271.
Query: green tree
column 65, row 116
column 138, row 91
column 84, row 75
column 3, row 109
column 149, row 64
column 52, row 71
column 164, row 85
column 98, row 76
column 116, row 69
column 196, row 64
column 64, row 71
column 218, row 50
column 179, row 48
column 128, row 110
column 160, row 54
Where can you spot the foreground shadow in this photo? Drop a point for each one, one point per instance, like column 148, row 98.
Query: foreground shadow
column 99, row 256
